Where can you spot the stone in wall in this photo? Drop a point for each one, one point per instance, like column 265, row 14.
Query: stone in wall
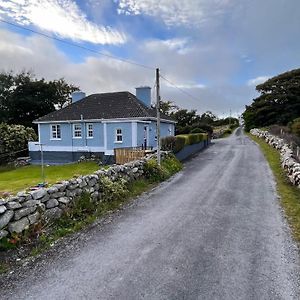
column 5, row 218
column 288, row 162
column 19, row 226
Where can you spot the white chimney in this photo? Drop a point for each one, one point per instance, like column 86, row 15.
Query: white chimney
column 78, row 95
column 143, row 93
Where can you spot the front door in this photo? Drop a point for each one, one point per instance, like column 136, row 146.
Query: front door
column 146, row 136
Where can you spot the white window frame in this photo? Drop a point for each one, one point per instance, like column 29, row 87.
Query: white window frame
column 118, row 135
column 88, row 131
column 77, row 130
column 55, row 132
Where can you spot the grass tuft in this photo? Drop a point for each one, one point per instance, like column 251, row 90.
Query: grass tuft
column 289, row 194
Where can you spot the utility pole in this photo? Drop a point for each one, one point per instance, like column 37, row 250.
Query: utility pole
column 42, row 163
column 158, row 116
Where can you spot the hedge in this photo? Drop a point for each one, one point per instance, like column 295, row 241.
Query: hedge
column 178, row 142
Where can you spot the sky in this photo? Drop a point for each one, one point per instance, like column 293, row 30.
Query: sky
column 214, row 51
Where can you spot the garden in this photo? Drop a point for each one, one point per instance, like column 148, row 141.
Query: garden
column 15, row 179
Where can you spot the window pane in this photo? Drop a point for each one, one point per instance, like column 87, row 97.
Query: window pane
column 77, row 130
column 90, row 130
column 58, row 131
column 119, row 135
column 55, row 131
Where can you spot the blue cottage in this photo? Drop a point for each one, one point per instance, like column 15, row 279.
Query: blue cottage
column 96, row 125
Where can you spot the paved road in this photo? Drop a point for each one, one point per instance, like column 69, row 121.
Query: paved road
column 214, row 231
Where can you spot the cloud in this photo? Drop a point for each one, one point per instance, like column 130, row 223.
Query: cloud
column 176, row 12
column 257, row 80
column 96, row 74
column 176, row 45
column 61, row 17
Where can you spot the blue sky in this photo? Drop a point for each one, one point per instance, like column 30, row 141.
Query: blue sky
column 215, row 50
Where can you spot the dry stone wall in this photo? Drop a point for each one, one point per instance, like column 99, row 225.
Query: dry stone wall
column 18, row 212
column 288, row 162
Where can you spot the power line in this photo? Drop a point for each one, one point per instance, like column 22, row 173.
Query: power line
column 78, row 46
column 97, row 52
column 178, row 88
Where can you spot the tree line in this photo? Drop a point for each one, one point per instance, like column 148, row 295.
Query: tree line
column 189, row 121
column 278, row 103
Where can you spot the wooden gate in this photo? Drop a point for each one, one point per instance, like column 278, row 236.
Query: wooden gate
column 124, row 155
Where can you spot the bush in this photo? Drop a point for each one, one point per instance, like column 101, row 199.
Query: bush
column 204, row 127
column 295, row 127
column 196, row 138
column 155, row 173
column 179, row 143
column 193, row 138
column 112, row 190
column 171, row 165
column 197, row 130
column 227, row 131
column 14, row 138
column 183, row 129
column 168, row 143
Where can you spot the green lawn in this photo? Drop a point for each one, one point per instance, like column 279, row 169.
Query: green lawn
column 24, row 177
column 289, row 194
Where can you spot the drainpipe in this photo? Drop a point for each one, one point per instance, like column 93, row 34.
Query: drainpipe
column 83, row 131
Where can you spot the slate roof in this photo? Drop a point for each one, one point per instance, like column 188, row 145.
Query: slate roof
column 117, row 105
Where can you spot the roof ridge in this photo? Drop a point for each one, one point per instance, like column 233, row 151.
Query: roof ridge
column 122, row 104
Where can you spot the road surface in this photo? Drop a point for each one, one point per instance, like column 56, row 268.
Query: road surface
column 214, row 231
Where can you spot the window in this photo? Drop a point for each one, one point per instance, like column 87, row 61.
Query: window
column 55, row 132
column 77, row 131
column 119, row 137
column 89, row 131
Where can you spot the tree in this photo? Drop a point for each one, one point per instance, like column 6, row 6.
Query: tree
column 63, row 92
column 13, row 140
column 188, row 121
column 24, row 98
column 208, row 117
column 167, row 107
column 279, row 102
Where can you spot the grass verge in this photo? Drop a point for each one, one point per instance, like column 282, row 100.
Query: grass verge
column 289, row 194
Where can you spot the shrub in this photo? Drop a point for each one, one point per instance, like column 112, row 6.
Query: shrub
column 14, row 138
column 183, row 129
column 179, row 143
column 204, row 127
column 172, row 165
column 193, row 138
column 227, row 131
column 155, row 173
column 112, row 190
column 295, row 127
column 168, row 143
column 196, row 138
column 233, row 126
column 197, row 130
column 82, row 206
